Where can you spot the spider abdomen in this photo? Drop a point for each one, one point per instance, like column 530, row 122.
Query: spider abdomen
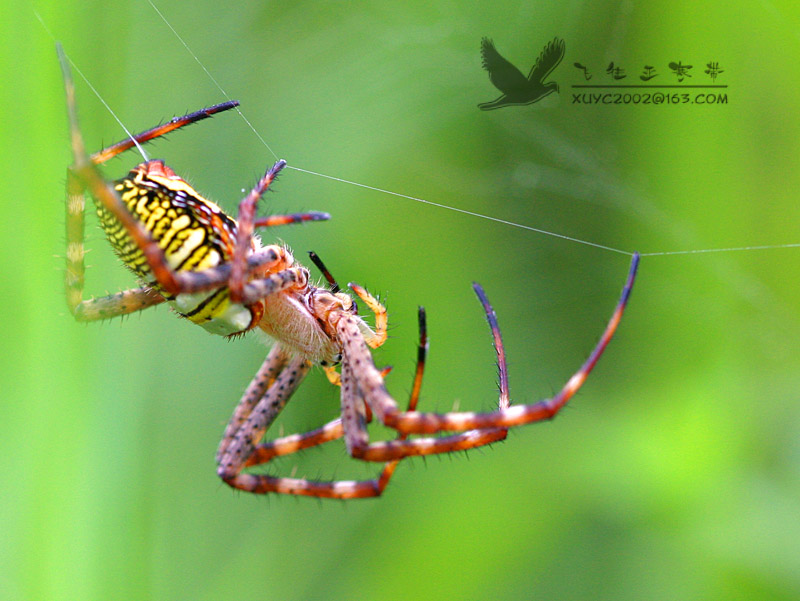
column 194, row 233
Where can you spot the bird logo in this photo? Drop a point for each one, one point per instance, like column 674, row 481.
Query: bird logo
column 515, row 87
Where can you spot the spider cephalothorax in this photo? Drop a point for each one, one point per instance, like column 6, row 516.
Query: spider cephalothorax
column 215, row 272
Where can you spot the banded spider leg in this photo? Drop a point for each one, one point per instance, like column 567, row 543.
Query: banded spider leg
column 474, row 429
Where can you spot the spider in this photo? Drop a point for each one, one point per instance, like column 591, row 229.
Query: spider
column 214, row 271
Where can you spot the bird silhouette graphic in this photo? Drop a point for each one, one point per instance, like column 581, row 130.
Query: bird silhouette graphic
column 515, row 87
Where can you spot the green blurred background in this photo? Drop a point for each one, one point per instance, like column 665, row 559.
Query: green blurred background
column 674, row 474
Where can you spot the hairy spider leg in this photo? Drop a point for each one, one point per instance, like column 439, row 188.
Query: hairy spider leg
column 100, row 157
column 476, row 429
column 416, row 388
column 244, row 234
column 265, row 377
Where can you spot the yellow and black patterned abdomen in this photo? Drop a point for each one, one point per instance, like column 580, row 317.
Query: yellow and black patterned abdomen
column 193, row 232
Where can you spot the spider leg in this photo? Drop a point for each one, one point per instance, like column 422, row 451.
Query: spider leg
column 400, row 448
column 244, row 235
column 392, row 451
column 241, row 443
column 333, row 430
column 416, row 388
column 100, row 157
column 293, row 443
column 247, row 221
column 114, row 305
column 83, row 175
column 340, row 489
column 215, row 277
column 334, row 489
column 265, row 376
column 354, row 412
column 476, row 428
column 286, row 445
column 459, row 442
column 240, row 448
column 122, row 303
column 295, row 277
column 273, row 220
column 137, row 299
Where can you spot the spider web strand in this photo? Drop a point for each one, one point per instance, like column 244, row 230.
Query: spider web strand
column 721, row 250
column 464, row 211
column 211, row 77
column 92, row 88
